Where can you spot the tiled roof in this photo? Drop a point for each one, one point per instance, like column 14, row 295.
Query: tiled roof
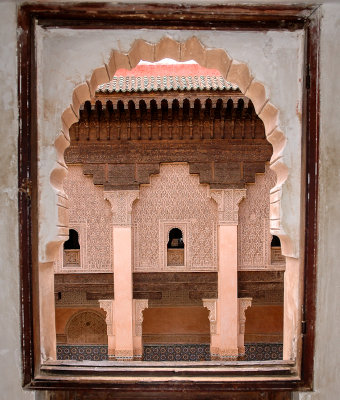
column 148, row 78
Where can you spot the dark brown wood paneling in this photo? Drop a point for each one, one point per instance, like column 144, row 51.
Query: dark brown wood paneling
column 173, row 395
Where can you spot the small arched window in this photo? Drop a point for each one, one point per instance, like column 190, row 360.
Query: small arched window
column 175, row 239
column 175, row 253
column 73, row 242
column 276, row 255
column 275, row 242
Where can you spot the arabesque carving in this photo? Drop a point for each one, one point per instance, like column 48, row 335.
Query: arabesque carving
column 175, row 198
column 233, row 71
column 254, row 237
column 140, row 306
column 89, row 215
column 121, row 202
column 228, row 201
column 86, row 327
column 107, row 306
column 243, row 304
column 211, row 305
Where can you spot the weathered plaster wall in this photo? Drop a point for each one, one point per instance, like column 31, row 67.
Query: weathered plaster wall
column 10, row 359
column 327, row 360
column 327, row 386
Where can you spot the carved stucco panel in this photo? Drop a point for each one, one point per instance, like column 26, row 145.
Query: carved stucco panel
column 228, row 201
column 107, row 306
column 121, row 203
column 61, row 264
column 86, row 327
column 243, row 304
column 89, row 215
column 140, row 306
column 211, row 305
column 254, row 238
column 174, row 196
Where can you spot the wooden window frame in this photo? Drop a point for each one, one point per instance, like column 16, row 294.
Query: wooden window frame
column 135, row 16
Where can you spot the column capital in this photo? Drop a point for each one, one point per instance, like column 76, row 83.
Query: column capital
column 243, row 304
column 228, row 201
column 140, row 306
column 107, row 306
column 211, row 305
column 121, row 204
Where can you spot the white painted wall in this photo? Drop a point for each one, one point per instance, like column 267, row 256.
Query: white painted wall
column 327, row 364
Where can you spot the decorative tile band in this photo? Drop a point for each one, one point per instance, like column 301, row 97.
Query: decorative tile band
column 263, row 351
column 82, row 352
column 177, row 352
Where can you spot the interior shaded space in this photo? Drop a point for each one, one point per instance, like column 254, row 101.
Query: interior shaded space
column 176, row 334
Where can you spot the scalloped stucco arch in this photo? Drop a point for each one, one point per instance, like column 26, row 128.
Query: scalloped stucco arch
column 191, row 49
column 233, row 71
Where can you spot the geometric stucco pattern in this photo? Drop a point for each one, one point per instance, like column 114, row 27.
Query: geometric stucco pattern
column 254, row 238
column 108, row 307
column 211, row 305
column 174, row 195
column 121, row 202
column 89, row 214
column 86, row 327
column 228, row 201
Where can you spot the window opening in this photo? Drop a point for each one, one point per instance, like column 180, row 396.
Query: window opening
column 230, row 68
column 71, row 254
column 276, row 253
column 175, row 248
column 175, row 239
column 73, row 242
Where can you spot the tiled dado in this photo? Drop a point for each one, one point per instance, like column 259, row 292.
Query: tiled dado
column 82, row 352
column 176, row 352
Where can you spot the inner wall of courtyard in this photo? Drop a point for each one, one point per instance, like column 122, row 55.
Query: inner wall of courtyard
column 189, row 151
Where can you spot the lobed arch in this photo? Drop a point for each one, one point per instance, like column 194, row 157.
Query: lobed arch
column 233, row 71
column 192, row 49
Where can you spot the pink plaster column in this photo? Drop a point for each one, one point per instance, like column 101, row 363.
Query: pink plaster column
column 47, row 312
column 227, row 291
column 121, row 203
column 122, row 269
column 225, row 345
column 293, row 292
